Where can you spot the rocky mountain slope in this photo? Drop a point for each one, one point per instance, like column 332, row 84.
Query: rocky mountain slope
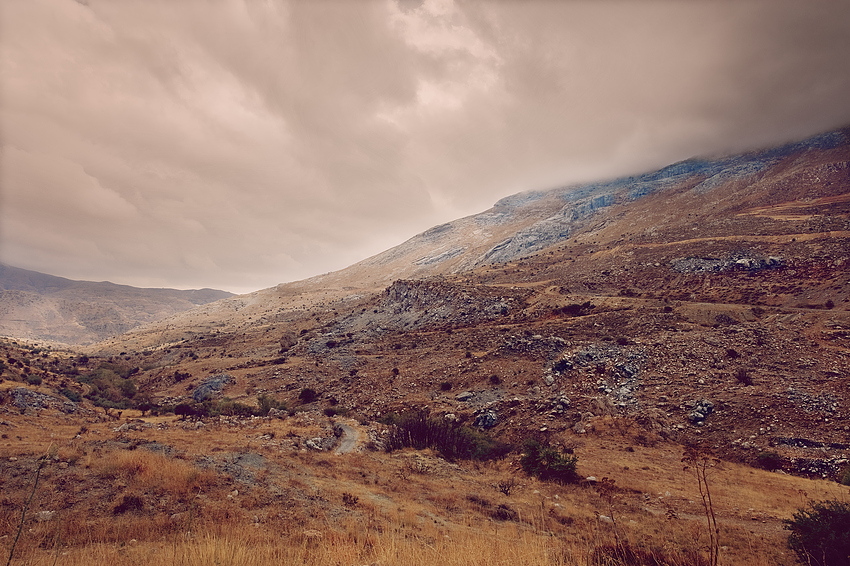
column 707, row 204
column 42, row 307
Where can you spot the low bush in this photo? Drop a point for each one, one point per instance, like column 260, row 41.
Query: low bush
column 452, row 440
column 548, row 463
column 267, row 403
column 71, row 394
column 577, row 309
column 769, row 460
column 820, row 533
column 307, row 395
column 743, row 376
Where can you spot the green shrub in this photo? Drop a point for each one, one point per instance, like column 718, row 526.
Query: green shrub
column 548, row 463
column 267, row 403
column 71, row 394
column 820, row 533
column 109, row 388
column 33, row 380
column 844, row 476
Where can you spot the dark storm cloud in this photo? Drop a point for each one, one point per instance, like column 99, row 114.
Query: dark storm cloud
column 241, row 144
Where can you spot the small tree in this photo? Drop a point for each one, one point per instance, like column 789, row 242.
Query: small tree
column 820, row 534
column 700, row 461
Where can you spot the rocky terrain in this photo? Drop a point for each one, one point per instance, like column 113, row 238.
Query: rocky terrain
column 709, row 302
column 710, row 298
column 42, row 307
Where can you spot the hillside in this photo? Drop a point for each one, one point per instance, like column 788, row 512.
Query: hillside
column 706, row 304
column 41, row 307
column 755, row 198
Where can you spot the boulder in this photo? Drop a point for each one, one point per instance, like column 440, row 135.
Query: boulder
column 700, row 411
column 288, row 340
column 211, row 386
column 487, row 419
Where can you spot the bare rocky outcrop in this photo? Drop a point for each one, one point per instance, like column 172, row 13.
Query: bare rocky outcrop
column 27, row 400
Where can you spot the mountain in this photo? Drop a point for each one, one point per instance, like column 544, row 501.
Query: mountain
column 740, row 204
column 702, row 310
column 42, row 307
column 709, row 298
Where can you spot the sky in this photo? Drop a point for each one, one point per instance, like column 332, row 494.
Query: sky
column 241, row 144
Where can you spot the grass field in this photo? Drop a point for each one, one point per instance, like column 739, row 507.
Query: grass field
column 242, row 493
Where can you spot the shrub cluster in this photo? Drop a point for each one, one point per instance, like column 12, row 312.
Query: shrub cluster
column 819, row 533
column 548, row 463
column 228, row 407
column 110, row 386
column 71, row 394
column 452, row 440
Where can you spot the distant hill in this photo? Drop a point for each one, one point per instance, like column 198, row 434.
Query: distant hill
column 37, row 306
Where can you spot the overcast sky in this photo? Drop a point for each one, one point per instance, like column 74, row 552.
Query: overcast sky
column 241, row 144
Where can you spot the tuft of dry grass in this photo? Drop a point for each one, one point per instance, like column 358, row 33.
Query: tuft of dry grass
column 150, row 471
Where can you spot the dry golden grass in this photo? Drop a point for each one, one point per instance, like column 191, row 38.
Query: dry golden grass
column 149, row 471
column 408, row 507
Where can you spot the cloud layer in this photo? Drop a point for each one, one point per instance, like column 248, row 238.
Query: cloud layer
column 240, row 144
